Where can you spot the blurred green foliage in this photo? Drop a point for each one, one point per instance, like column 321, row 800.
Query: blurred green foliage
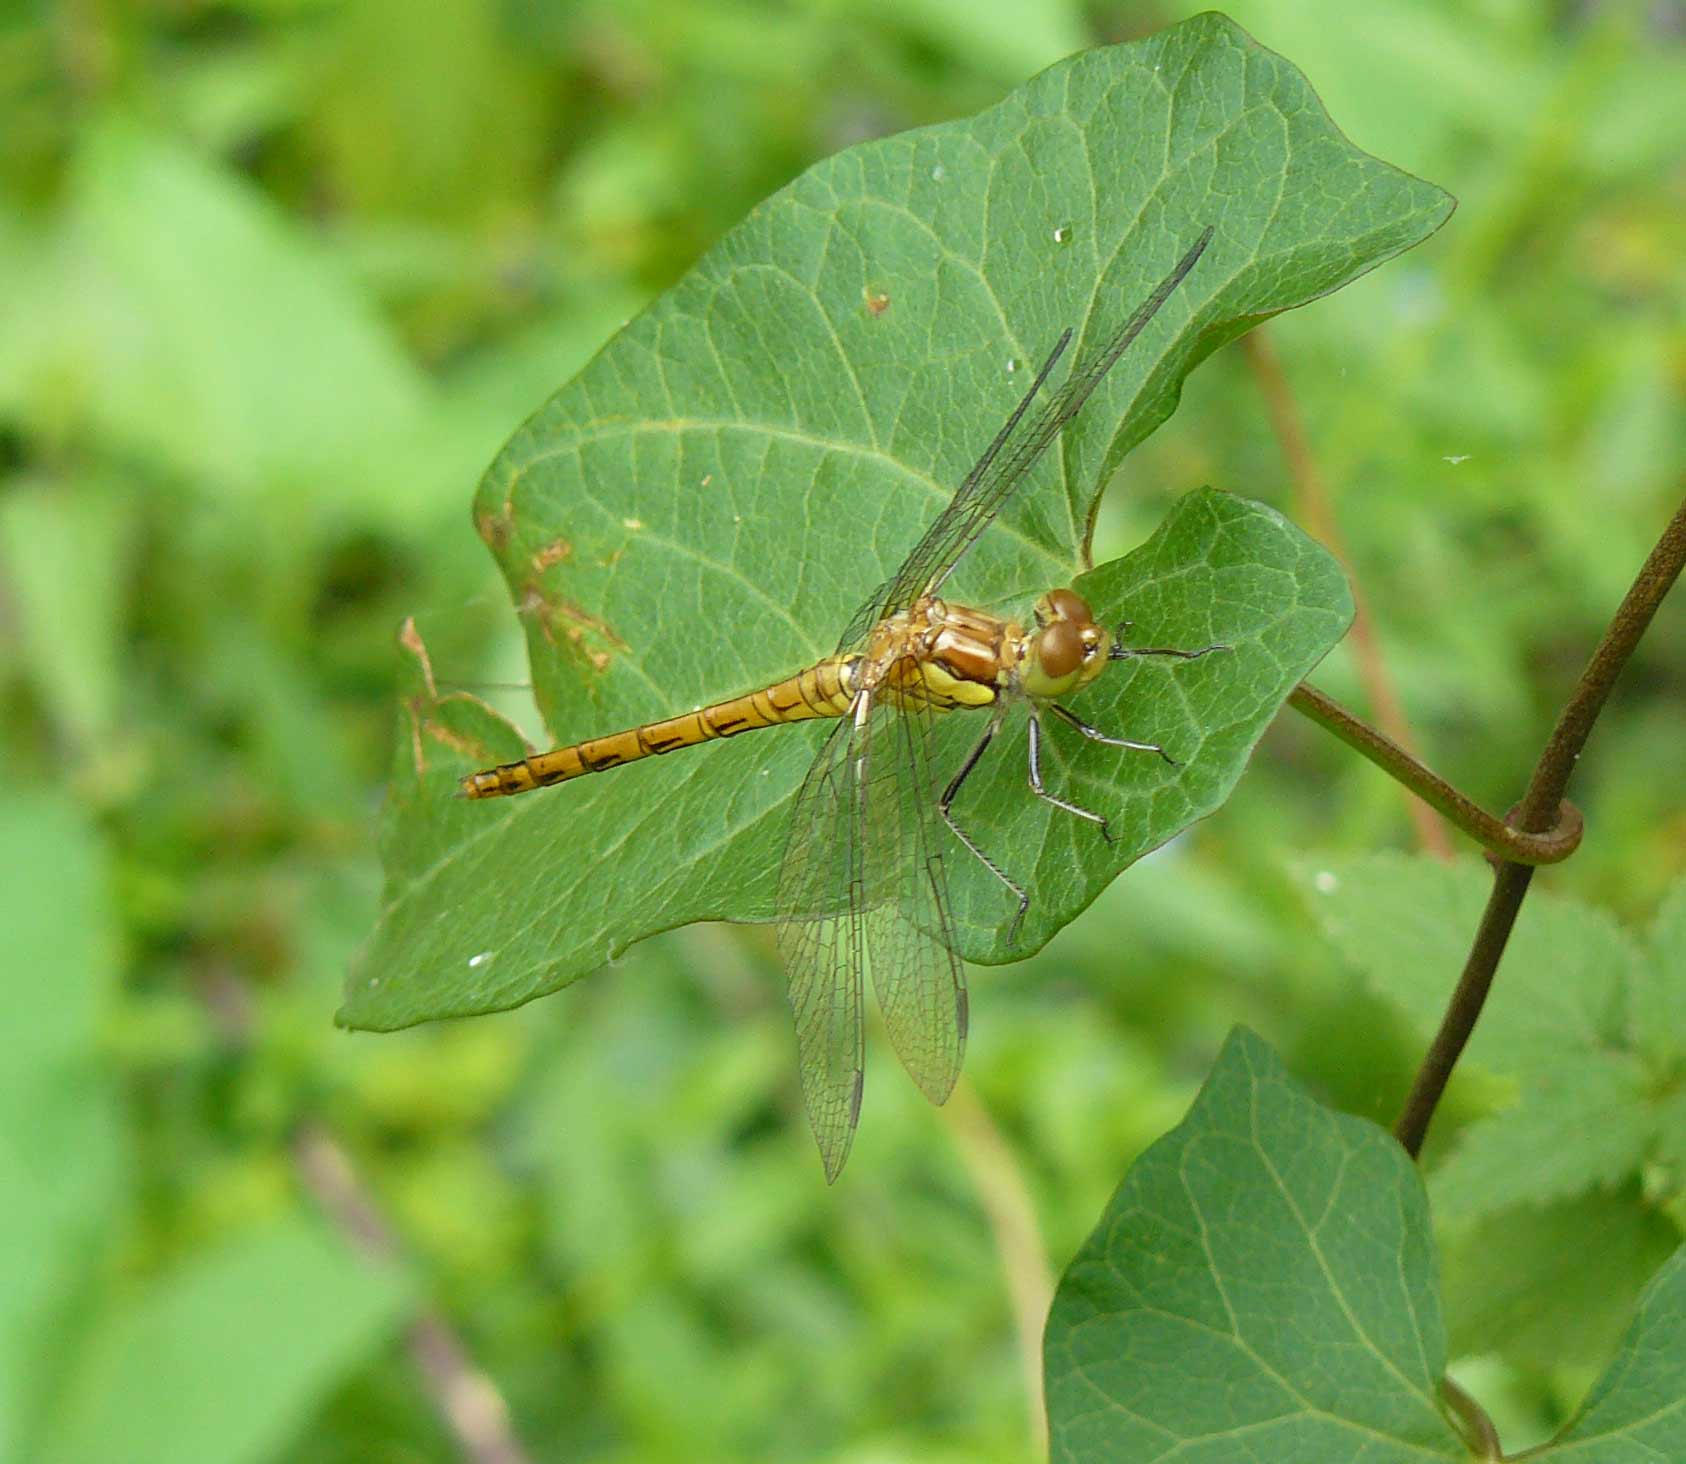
column 279, row 277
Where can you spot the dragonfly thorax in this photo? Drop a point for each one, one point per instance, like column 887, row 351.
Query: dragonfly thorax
column 940, row 655
column 947, row 657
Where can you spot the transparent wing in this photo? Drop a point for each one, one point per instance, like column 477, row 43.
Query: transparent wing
column 920, row 982
column 821, row 933
column 863, row 883
column 863, row 620
column 895, row 593
column 1008, row 460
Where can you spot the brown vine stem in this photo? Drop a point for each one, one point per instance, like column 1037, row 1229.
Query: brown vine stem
column 1477, row 1428
column 1536, row 813
column 1491, row 832
column 1314, row 509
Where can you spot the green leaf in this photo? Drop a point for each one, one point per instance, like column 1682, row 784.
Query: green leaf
column 1260, row 1287
column 1637, row 1411
column 1553, row 1285
column 224, row 1360
column 1407, row 922
column 1220, row 569
column 1595, row 1098
column 700, row 511
column 1655, row 1028
column 1582, row 1123
column 61, row 1160
column 196, row 325
column 64, row 549
column 1659, row 992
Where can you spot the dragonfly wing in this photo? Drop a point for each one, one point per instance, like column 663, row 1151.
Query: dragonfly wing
column 920, row 981
column 864, row 619
column 822, row 935
column 1008, row 460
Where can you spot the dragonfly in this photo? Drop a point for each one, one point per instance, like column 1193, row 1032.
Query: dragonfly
column 862, row 884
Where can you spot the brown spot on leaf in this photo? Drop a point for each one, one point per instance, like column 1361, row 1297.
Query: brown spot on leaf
column 570, row 626
column 417, row 707
column 409, row 639
column 877, row 301
column 429, row 714
column 495, row 528
column 471, row 748
column 414, row 709
column 552, row 553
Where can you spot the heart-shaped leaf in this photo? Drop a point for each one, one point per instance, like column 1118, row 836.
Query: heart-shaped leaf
column 1260, row 1287
column 702, row 509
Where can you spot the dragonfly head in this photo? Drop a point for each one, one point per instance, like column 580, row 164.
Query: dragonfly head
column 1067, row 649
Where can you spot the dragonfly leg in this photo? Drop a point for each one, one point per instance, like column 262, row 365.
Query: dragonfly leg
column 1122, row 652
column 1094, row 734
column 1047, row 797
column 945, row 805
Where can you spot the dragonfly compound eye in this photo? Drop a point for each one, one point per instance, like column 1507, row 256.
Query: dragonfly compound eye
column 1059, row 650
column 1069, row 605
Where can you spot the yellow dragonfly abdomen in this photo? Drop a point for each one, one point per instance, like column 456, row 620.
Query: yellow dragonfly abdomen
column 822, row 690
